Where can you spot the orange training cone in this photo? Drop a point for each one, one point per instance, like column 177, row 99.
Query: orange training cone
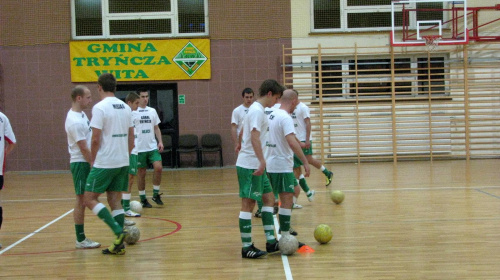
column 305, row 249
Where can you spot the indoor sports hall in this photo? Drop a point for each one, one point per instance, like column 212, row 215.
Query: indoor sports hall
column 404, row 99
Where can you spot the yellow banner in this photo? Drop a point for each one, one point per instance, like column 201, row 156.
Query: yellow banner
column 141, row 60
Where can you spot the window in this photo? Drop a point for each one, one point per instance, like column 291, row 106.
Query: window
column 367, row 15
column 103, row 19
column 369, row 78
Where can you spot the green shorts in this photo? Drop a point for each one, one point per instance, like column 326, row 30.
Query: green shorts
column 101, row 180
column 132, row 167
column 146, row 158
column 252, row 186
column 80, row 172
column 283, row 182
column 307, row 151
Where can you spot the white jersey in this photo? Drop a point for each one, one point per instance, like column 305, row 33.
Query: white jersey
column 279, row 155
column 238, row 116
column 254, row 119
column 77, row 128
column 269, row 110
column 6, row 136
column 148, row 119
column 135, row 122
column 299, row 115
column 114, row 118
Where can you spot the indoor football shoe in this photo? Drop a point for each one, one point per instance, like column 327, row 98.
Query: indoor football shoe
column 258, row 214
column 252, row 253
column 329, row 178
column 297, row 206
column 128, row 223
column 291, row 231
column 130, row 213
column 87, row 244
column 145, row 203
column 157, row 198
column 272, row 248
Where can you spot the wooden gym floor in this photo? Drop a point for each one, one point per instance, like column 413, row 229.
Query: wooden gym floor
column 410, row 220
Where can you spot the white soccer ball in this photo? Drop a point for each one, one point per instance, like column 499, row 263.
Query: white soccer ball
column 136, row 206
column 288, row 244
column 133, row 235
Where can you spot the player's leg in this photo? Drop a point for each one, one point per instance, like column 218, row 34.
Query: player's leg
column 114, row 192
column 301, row 180
column 286, row 183
column 80, row 172
column 297, row 163
column 248, row 193
column 155, row 158
column 126, row 195
column 316, row 163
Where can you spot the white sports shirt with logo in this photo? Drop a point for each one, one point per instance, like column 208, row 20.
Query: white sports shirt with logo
column 6, row 134
column 279, row 155
column 238, row 116
column 77, row 127
column 114, row 118
column 299, row 115
column 148, row 119
column 255, row 118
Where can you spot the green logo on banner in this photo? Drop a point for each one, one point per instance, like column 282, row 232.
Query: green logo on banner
column 190, row 59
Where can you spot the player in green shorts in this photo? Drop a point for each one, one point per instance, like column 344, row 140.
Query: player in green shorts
column 112, row 142
column 251, row 166
column 132, row 101
column 282, row 144
column 79, row 134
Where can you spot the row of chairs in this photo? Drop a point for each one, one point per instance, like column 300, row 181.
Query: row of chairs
column 188, row 143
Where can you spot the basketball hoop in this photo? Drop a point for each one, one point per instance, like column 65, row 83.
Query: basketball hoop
column 431, row 41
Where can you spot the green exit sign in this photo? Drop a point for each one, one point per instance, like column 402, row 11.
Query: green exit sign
column 182, row 99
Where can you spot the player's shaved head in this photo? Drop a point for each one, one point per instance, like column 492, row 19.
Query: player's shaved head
column 289, row 95
column 79, row 90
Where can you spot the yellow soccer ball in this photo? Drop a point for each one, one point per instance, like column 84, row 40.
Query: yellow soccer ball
column 323, row 234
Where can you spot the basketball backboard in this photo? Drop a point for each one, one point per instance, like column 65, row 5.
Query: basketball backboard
column 416, row 21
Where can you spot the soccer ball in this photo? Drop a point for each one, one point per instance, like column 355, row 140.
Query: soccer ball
column 337, row 196
column 133, row 235
column 288, row 244
column 136, row 206
column 323, row 234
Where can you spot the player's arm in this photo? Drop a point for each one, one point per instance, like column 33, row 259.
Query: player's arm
column 292, row 142
column 301, row 144
column 257, row 147
column 130, row 139
column 9, row 145
column 237, row 148
column 307, row 121
column 234, row 135
column 84, row 149
column 95, row 144
column 158, row 136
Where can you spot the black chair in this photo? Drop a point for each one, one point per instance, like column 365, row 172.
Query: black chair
column 211, row 143
column 188, row 143
column 167, row 149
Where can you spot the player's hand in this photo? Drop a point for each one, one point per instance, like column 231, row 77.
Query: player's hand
column 260, row 170
column 160, row 147
column 307, row 170
column 302, row 145
column 237, row 148
column 307, row 144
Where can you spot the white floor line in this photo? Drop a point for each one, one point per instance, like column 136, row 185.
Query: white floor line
column 284, row 258
column 35, row 232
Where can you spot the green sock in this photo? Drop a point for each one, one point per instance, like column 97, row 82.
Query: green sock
column 246, row 229
column 119, row 217
column 80, row 234
column 126, row 204
column 303, row 185
column 259, row 204
column 285, row 215
column 105, row 215
column 142, row 196
column 156, row 190
column 326, row 172
column 268, row 223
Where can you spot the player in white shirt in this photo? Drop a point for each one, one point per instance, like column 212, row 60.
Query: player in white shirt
column 239, row 113
column 132, row 101
column 79, row 134
column 112, row 142
column 149, row 146
column 302, row 120
column 281, row 147
column 7, row 144
column 251, row 170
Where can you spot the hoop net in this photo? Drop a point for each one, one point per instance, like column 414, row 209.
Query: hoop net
column 431, row 41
